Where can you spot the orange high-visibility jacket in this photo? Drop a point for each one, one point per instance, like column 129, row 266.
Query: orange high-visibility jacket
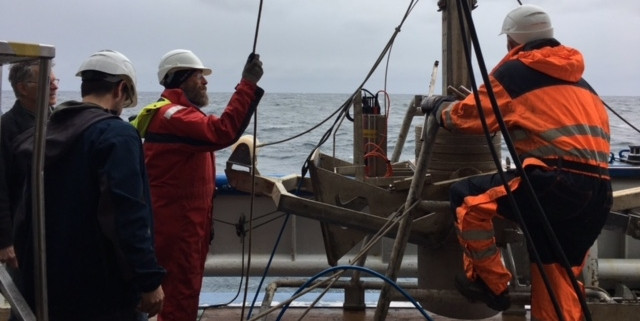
column 551, row 112
column 555, row 119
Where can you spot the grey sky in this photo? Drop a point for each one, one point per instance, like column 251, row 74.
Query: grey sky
column 311, row 45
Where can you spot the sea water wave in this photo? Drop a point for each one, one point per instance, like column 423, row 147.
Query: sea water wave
column 284, row 115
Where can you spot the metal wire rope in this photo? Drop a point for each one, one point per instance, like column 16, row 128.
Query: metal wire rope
column 342, row 109
column 219, row 305
column 391, row 222
column 253, row 173
column 240, row 224
column 255, row 219
column 621, row 118
column 342, row 112
column 255, row 227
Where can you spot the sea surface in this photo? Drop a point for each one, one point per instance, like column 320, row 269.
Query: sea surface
column 284, row 115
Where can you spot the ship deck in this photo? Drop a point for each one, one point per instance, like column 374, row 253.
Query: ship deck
column 322, row 314
column 339, row 314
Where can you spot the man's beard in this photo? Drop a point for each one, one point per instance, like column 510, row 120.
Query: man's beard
column 196, row 97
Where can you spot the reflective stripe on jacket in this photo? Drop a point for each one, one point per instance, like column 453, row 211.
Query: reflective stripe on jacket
column 179, row 153
column 551, row 112
column 142, row 120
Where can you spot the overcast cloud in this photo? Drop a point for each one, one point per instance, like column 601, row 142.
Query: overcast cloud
column 325, row 46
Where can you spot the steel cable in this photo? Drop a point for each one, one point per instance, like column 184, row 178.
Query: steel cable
column 253, row 173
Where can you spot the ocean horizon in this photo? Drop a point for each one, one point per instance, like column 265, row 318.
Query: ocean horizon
column 284, row 115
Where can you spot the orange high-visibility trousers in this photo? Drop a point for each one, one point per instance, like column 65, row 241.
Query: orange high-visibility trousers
column 576, row 207
column 475, row 233
column 565, row 295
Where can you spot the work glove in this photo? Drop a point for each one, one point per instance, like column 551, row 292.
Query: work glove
column 252, row 71
column 430, row 104
column 433, row 105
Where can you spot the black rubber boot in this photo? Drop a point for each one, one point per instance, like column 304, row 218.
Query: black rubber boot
column 478, row 291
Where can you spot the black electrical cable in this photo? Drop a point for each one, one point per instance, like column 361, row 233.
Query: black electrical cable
column 255, row 38
column 547, row 227
column 518, row 164
column 306, row 131
column 219, row 305
column 273, row 253
column 342, row 111
column 345, row 106
column 253, row 170
column 621, row 118
column 366, row 91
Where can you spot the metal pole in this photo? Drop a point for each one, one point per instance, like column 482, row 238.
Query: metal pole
column 12, row 52
column 404, row 129
column 18, row 304
column 37, row 191
column 411, row 112
column 414, row 195
column 1, row 68
column 358, row 139
column 621, row 270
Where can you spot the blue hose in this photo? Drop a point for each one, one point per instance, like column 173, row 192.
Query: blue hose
column 363, row 269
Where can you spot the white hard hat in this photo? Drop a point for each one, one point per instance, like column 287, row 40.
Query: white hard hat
column 113, row 63
column 179, row 59
column 526, row 23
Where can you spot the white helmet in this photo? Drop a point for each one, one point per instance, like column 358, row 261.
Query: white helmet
column 113, row 63
column 526, row 23
column 179, row 59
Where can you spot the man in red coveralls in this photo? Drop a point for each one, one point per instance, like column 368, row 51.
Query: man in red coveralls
column 179, row 146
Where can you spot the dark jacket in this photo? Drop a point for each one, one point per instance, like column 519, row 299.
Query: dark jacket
column 99, row 240
column 13, row 123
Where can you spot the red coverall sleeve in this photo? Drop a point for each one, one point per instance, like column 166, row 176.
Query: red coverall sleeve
column 212, row 132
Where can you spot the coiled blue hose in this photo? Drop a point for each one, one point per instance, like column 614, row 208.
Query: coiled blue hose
column 363, row 269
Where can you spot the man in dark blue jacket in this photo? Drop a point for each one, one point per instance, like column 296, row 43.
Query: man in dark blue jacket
column 101, row 262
